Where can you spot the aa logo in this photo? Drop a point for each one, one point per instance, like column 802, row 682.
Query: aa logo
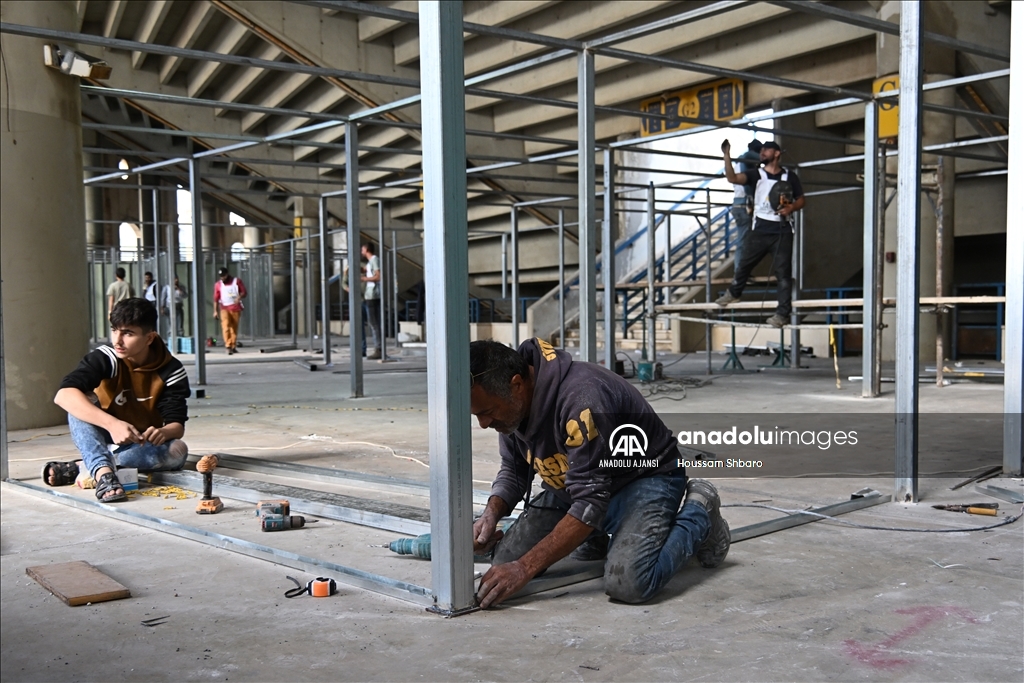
column 628, row 441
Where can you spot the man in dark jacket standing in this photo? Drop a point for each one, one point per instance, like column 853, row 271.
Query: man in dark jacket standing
column 609, row 465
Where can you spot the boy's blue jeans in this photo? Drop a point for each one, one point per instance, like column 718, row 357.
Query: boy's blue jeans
column 94, row 444
column 652, row 538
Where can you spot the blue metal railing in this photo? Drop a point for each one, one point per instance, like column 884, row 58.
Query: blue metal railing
column 685, row 255
column 689, row 255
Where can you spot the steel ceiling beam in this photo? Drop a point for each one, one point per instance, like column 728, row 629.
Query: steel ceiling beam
column 820, row 9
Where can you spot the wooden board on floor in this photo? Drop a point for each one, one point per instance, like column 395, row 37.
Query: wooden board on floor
column 77, row 583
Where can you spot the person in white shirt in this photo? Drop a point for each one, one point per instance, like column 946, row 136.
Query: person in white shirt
column 228, row 293
column 371, row 295
column 180, row 294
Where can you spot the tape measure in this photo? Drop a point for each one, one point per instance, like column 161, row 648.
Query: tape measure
column 320, row 587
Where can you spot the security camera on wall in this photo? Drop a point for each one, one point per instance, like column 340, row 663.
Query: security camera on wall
column 67, row 61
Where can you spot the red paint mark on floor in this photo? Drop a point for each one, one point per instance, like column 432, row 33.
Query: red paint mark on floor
column 879, row 655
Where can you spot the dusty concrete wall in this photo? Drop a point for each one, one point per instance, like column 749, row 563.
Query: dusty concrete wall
column 42, row 214
column 980, row 206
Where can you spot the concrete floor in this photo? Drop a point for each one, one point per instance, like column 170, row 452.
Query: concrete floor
column 817, row 602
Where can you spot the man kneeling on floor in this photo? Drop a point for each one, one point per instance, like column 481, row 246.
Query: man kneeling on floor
column 559, row 418
column 126, row 405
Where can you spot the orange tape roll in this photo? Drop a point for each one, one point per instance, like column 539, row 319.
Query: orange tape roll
column 322, row 587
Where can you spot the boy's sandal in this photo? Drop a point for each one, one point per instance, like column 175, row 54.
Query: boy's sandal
column 108, row 483
column 62, row 473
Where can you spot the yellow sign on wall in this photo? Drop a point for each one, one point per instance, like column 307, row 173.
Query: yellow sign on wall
column 888, row 109
column 719, row 101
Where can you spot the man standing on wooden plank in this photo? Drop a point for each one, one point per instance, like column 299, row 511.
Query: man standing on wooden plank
column 777, row 196
column 126, row 405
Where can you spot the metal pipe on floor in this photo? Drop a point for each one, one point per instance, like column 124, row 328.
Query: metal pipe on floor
column 346, row 575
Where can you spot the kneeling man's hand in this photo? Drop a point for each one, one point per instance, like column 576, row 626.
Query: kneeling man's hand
column 501, row 582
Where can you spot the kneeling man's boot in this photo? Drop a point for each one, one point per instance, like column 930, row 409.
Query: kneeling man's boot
column 715, row 547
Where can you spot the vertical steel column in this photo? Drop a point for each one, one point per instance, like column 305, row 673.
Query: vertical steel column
column 1013, row 351
column 940, row 315
column 293, row 291
column 608, row 259
column 882, row 205
column 796, row 275
column 156, row 255
column 669, row 291
column 383, row 284
column 4, row 468
column 394, row 282
column 707, row 278
column 561, row 279
column 869, row 380
column 515, row 278
column 504, row 266
column 172, row 307
column 355, row 292
column 325, row 292
column 908, row 248
column 587, row 216
column 198, row 272
column 307, row 274
column 446, row 255
column 271, row 312
column 254, row 319
column 90, row 259
column 652, row 347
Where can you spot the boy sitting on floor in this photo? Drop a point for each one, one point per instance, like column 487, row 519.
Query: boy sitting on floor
column 139, row 415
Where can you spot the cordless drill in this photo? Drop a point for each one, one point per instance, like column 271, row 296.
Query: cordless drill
column 209, row 504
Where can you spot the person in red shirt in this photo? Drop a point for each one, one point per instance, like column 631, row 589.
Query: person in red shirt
column 228, row 293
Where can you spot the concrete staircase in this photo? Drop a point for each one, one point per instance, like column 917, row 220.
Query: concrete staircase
column 688, row 263
column 632, row 341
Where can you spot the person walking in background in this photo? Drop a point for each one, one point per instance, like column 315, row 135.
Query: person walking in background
column 149, row 293
column 119, row 290
column 228, row 293
column 180, row 294
column 371, row 295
